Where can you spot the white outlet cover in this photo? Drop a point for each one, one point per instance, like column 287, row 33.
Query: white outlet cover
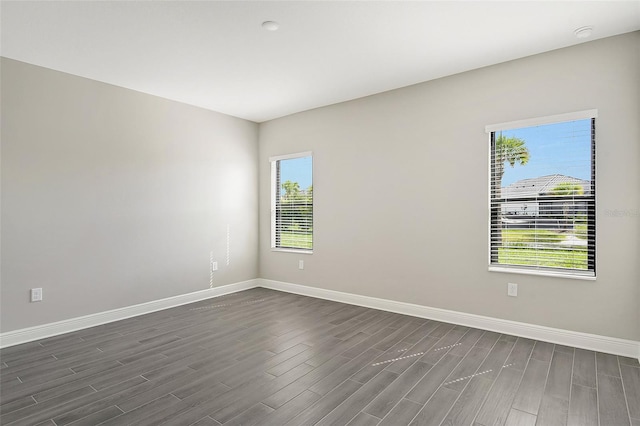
column 301, row 264
column 36, row 294
column 512, row 289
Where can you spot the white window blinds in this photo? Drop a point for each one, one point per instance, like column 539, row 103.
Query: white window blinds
column 292, row 202
column 542, row 195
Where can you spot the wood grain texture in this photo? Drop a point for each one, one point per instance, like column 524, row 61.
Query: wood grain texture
column 631, row 383
column 498, row 402
column 520, row 418
column 583, row 407
column 584, row 368
column 435, row 410
column 402, row 414
column 392, row 394
column 559, row 379
column 364, row 419
column 542, row 351
column 611, row 402
column 263, row 357
column 469, row 403
column 607, row 364
column 553, row 411
column 529, row 394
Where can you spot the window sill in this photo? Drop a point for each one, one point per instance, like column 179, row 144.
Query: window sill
column 292, row 250
column 589, row 276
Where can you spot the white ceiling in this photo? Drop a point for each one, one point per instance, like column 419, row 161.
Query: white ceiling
column 216, row 55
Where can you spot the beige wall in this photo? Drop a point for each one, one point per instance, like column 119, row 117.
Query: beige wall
column 111, row 197
column 400, row 185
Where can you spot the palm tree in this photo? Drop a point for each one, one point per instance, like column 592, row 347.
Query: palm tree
column 511, row 151
column 508, row 150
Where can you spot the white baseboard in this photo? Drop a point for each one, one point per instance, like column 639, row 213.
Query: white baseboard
column 25, row 335
column 612, row 345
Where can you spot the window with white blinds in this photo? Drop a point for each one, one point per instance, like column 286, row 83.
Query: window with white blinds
column 292, row 202
column 543, row 195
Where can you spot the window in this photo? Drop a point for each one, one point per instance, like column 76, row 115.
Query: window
column 542, row 195
column 292, row 202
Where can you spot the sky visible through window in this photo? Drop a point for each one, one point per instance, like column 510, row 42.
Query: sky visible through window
column 561, row 148
column 297, row 170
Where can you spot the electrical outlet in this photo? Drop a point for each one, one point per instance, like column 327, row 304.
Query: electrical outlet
column 214, row 266
column 512, row 289
column 300, row 264
column 36, row 295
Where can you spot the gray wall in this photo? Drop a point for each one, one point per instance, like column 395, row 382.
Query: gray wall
column 400, row 185
column 111, row 197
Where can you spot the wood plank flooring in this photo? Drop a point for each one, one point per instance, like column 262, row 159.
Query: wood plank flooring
column 262, row 357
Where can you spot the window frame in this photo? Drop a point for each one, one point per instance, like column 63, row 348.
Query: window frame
column 273, row 181
column 589, row 274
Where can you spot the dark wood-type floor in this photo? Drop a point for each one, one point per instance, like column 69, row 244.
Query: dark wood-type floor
column 262, row 357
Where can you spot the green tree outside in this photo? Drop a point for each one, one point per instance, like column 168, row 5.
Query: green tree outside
column 511, row 151
column 568, row 189
column 296, row 216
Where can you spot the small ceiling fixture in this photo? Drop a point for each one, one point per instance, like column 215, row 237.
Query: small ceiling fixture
column 270, row 25
column 583, row 32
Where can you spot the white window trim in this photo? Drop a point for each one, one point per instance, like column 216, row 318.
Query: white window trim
column 530, row 122
column 539, row 121
column 590, row 276
column 292, row 250
column 290, row 156
column 272, row 161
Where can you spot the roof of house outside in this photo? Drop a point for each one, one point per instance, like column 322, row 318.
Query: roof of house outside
column 541, row 185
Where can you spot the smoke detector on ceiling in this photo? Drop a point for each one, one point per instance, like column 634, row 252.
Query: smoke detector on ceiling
column 583, row 32
column 270, row 25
